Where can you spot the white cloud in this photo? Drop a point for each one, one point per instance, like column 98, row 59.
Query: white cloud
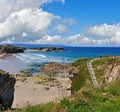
column 109, row 32
column 74, row 40
column 24, row 34
column 61, row 28
column 24, row 16
column 70, row 21
column 104, row 30
column 26, row 20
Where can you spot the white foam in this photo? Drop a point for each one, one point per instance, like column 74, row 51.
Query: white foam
column 41, row 58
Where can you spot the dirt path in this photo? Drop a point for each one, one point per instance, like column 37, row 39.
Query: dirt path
column 92, row 73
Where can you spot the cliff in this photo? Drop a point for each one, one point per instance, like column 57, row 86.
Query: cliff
column 7, row 84
column 107, row 69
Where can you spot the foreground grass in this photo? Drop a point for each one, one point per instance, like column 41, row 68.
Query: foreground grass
column 86, row 98
column 49, row 107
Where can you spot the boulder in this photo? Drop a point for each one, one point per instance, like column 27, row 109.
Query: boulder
column 60, row 70
column 7, row 83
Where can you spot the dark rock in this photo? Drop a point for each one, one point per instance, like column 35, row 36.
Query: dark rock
column 47, row 49
column 36, row 65
column 46, row 88
column 7, row 84
column 11, row 49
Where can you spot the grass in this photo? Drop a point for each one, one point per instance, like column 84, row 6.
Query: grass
column 49, row 107
column 44, row 78
column 82, row 77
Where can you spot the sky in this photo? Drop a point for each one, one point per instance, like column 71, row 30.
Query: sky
column 66, row 22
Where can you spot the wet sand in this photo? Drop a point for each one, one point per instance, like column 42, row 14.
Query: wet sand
column 11, row 64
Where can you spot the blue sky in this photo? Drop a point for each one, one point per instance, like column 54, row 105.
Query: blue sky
column 69, row 22
column 87, row 12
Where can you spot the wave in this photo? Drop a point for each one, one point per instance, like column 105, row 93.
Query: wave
column 41, row 58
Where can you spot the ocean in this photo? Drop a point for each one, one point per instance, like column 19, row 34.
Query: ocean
column 21, row 61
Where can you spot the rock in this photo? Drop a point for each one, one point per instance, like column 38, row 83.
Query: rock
column 11, row 49
column 46, row 49
column 36, row 65
column 60, row 70
column 112, row 72
column 46, row 88
column 7, row 84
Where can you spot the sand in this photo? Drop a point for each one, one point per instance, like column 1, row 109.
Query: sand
column 27, row 91
column 30, row 93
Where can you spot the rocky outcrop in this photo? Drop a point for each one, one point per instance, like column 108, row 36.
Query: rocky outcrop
column 112, row 73
column 7, row 84
column 46, row 49
column 11, row 49
column 62, row 70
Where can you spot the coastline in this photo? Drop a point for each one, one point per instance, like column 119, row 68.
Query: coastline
column 3, row 55
column 29, row 93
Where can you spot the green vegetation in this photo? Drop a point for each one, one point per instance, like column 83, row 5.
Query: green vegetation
column 2, row 71
column 86, row 98
column 27, row 72
column 44, row 78
column 82, row 78
column 49, row 107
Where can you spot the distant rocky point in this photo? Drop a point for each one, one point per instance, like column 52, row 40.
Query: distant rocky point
column 46, row 49
column 11, row 49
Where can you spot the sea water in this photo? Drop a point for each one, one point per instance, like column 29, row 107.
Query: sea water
column 71, row 54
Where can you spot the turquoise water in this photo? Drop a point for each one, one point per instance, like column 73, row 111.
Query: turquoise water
column 28, row 59
column 70, row 55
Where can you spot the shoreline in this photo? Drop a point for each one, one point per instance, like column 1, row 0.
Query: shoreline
column 4, row 55
column 29, row 93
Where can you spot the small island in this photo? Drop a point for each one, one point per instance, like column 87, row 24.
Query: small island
column 11, row 49
column 46, row 49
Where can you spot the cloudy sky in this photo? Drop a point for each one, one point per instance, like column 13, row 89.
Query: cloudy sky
column 67, row 22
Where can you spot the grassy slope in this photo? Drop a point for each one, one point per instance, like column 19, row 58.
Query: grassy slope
column 86, row 99
column 82, row 78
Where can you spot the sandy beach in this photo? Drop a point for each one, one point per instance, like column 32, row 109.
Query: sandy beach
column 29, row 93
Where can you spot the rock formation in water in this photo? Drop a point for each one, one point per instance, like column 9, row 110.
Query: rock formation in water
column 47, row 49
column 11, row 49
column 7, row 83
